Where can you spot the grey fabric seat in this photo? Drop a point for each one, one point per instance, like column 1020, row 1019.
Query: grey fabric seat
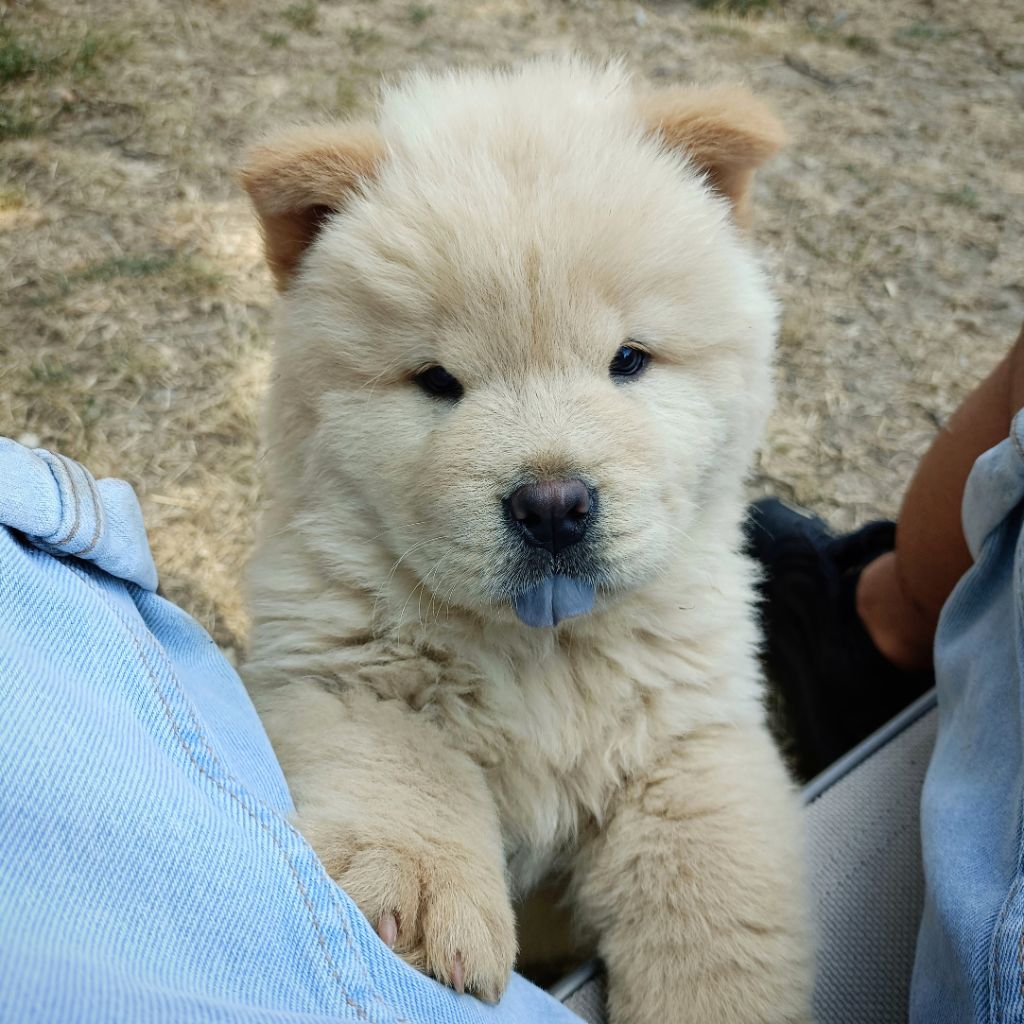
column 865, row 876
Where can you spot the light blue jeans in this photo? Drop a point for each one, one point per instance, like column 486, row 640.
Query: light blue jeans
column 970, row 952
column 147, row 869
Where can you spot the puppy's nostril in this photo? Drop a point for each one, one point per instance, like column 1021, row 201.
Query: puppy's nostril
column 581, row 508
column 551, row 514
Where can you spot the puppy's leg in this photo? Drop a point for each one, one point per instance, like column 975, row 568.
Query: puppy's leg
column 695, row 889
column 405, row 824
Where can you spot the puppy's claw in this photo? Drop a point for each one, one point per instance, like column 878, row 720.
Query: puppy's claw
column 458, row 974
column 491, row 994
column 387, row 929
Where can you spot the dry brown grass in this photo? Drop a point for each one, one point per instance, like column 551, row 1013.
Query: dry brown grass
column 134, row 321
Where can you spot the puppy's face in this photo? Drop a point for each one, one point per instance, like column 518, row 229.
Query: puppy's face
column 521, row 330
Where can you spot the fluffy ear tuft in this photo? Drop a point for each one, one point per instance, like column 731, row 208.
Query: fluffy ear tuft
column 298, row 177
column 726, row 131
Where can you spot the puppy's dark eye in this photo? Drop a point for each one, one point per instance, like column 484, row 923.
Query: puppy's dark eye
column 437, row 381
column 629, row 361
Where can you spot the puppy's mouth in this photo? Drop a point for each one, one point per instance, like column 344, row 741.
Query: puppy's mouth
column 546, row 590
column 551, row 526
column 554, row 599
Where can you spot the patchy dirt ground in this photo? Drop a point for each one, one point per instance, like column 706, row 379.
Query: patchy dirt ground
column 135, row 309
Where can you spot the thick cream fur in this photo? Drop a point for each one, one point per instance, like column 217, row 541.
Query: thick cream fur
column 517, row 228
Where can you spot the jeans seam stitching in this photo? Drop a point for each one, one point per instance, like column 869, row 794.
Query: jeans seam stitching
column 74, row 494
column 97, row 505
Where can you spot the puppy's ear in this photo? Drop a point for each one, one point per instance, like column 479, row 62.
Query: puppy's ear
column 298, row 177
column 725, row 131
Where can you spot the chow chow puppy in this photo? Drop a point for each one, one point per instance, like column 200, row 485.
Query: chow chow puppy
column 502, row 624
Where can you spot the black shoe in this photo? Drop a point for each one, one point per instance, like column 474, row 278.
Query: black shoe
column 836, row 687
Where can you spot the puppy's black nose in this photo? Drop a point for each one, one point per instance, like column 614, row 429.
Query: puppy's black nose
column 553, row 514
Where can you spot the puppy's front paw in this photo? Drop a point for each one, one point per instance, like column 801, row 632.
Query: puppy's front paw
column 438, row 906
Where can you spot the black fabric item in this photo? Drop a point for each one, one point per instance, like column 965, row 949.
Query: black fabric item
column 835, row 686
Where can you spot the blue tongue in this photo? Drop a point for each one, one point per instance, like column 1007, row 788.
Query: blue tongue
column 554, row 599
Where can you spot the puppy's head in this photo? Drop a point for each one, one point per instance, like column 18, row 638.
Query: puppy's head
column 523, row 333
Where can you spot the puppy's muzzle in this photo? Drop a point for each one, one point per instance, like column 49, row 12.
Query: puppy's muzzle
column 552, row 515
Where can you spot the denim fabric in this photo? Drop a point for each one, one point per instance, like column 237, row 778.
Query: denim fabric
column 147, row 871
column 970, row 954
column 57, row 503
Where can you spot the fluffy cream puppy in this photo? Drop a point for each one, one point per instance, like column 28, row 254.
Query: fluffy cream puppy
column 502, row 624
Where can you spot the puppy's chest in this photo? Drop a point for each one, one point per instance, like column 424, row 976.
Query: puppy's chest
column 556, row 734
